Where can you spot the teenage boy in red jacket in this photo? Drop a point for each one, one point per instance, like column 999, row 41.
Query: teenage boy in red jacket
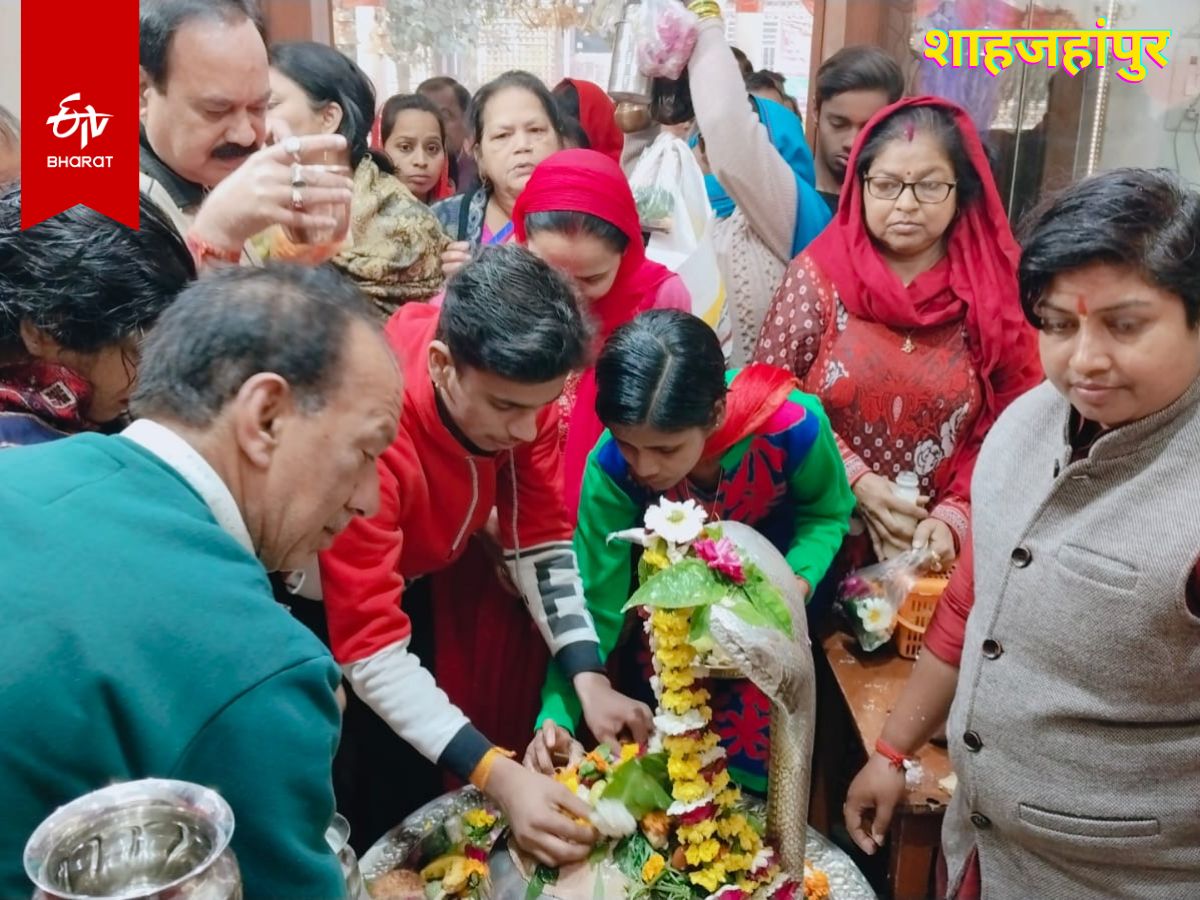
column 478, row 431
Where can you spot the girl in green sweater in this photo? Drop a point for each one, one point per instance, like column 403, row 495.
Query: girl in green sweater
column 745, row 445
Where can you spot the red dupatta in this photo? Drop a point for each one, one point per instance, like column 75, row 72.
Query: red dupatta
column 755, row 395
column 977, row 282
column 590, row 182
column 598, row 116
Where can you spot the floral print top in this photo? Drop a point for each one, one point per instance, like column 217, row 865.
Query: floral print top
column 898, row 400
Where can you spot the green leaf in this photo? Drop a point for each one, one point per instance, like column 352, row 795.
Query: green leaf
column 699, row 636
column 598, row 853
column 542, row 876
column 631, row 854
column 687, row 583
column 767, row 600
column 641, row 785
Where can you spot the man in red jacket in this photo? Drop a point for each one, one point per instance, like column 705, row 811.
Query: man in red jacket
column 478, row 431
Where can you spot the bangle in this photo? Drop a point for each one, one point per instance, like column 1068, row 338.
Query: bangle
column 705, row 9
column 202, row 251
column 898, row 760
column 479, row 776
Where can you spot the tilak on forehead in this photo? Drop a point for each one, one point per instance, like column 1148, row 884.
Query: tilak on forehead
column 1081, row 305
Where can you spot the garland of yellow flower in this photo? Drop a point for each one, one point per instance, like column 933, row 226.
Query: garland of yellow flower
column 721, row 849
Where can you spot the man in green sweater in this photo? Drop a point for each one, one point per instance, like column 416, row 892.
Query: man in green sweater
column 141, row 634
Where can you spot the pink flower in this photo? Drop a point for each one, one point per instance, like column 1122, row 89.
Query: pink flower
column 722, row 556
column 473, row 852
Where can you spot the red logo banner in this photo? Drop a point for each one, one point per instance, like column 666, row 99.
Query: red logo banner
column 79, row 108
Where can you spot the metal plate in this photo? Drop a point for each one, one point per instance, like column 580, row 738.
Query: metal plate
column 415, row 841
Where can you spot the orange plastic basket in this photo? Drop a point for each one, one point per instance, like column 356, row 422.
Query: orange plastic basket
column 915, row 613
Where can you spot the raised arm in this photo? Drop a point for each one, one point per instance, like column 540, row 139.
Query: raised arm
column 736, row 143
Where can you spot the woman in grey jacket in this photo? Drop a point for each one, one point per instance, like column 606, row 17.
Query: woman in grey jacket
column 1074, row 714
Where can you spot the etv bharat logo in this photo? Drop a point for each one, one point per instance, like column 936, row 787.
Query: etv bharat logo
column 89, row 123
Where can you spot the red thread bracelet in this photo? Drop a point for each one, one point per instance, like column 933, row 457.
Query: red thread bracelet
column 898, row 760
column 203, row 251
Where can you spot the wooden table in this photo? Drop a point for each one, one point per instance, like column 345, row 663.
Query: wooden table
column 855, row 693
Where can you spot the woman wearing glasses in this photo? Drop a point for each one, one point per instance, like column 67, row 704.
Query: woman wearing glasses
column 903, row 317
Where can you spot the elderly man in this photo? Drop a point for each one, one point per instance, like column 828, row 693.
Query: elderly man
column 144, row 639
column 454, row 102
column 204, row 93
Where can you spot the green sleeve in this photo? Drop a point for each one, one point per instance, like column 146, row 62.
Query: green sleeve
column 606, row 570
column 270, row 754
column 823, row 501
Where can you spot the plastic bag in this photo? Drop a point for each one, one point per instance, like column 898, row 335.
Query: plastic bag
column 871, row 597
column 673, row 205
column 666, row 35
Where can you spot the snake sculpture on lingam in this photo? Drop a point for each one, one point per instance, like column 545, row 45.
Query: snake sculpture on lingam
column 719, row 601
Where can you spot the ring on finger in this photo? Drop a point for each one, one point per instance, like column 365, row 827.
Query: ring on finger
column 298, row 176
column 291, row 145
column 297, row 198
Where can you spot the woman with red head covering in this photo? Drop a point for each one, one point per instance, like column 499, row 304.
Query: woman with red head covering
column 595, row 111
column 903, row 317
column 578, row 214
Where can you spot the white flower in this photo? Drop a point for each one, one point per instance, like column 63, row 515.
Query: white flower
column 631, row 536
column 876, row 614
column 951, row 428
column 671, row 724
column 612, row 819
column 926, row 457
column 678, row 523
column 679, row 808
column 834, row 372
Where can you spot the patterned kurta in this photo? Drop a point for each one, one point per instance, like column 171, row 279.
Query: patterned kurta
column 785, row 481
column 898, row 400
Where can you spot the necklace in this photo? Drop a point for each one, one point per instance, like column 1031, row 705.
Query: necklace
column 709, row 508
column 908, row 346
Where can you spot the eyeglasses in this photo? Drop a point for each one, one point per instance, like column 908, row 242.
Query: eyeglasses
column 882, row 187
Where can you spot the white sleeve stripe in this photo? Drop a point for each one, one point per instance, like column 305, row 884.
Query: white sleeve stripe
column 406, row 696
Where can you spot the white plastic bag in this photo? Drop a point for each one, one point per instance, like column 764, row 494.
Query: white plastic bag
column 665, row 36
column 673, row 203
column 871, row 596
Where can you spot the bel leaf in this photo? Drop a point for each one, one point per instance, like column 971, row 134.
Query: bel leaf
column 641, row 785
column 687, row 583
column 767, row 600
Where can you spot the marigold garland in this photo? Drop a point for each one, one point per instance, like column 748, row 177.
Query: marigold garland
column 720, row 849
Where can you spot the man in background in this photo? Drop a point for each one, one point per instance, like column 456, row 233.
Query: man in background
column 454, row 102
column 852, row 85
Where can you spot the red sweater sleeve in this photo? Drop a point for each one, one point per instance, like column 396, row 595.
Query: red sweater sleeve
column 944, row 639
column 360, row 576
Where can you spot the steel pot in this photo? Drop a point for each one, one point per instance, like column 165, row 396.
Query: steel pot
column 142, row 840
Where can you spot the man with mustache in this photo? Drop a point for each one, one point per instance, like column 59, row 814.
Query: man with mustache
column 204, row 93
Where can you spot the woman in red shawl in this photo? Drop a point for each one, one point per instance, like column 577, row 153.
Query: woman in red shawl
column 578, row 214
column 903, row 317
column 596, row 113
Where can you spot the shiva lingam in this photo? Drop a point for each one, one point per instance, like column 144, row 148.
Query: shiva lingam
column 753, row 628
